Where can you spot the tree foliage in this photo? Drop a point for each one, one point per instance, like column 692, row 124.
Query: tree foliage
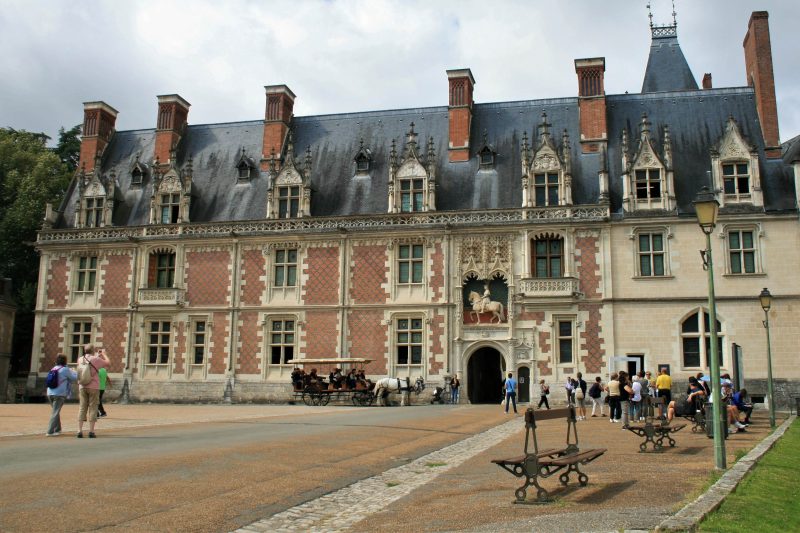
column 31, row 175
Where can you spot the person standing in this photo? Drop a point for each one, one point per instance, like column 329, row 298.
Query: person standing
column 636, row 399
column 90, row 393
column 454, row 386
column 625, row 393
column 595, row 393
column 544, row 390
column 613, row 398
column 104, row 381
column 59, row 394
column 510, row 388
column 580, row 396
column 664, row 387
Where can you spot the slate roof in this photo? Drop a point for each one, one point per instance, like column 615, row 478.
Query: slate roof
column 696, row 120
column 667, row 69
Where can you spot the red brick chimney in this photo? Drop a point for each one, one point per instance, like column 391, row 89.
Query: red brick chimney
column 707, row 81
column 98, row 128
column 758, row 62
column 171, row 125
column 592, row 102
column 461, row 87
column 278, row 116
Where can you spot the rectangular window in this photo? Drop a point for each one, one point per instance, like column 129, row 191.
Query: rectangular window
column 741, row 247
column 288, row 201
column 94, row 212
column 547, row 258
column 80, row 334
column 286, row 267
column 565, row 341
column 411, row 193
column 648, row 184
column 651, row 254
column 199, row 342
column 410, row 263
column 281, row 344
column 164, row 270
column 736, row 179
column 546, row 189
column 158, row 342
column 170, row 208
column 409, row 341
column 87, row 274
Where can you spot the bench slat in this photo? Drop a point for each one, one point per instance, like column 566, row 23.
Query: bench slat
column 587, row 455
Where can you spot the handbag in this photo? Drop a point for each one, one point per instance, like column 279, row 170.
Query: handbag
column 579, row 394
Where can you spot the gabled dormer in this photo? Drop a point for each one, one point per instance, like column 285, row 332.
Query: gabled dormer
column 289, row 194
column 362, row 160
column 245, row 167
column 172, row 191
column 412, row 178
column 487, row 154
column 647, row 179
column 734, row 168
column 547, row 173
column 138, row 173
column 95, row 199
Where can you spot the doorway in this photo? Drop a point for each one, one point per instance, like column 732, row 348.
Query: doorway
column 524, row 387
column 484, row 376
column 635, row 364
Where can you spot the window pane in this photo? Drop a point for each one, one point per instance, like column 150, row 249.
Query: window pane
column 275, row 357
column 540, row 196
column 736, row 263
column 747, row 239
column 565, row 329
column 733, row 239
column 289, row 325
column 691, row 352
column 749, row 262
column 292, row 256
column 416, row 323
column 404, row 272
column 405, row 185
column 279, row 281
column 658, row 242
column 416, row 355
column 92, row 276
column 729, row 186
column 402, row 323
column 291, row 276
column 405, row 203
column 541, row 267
column 690, row 324
column 417, row 251
column 644, row 243
column 727, row 170
column 402, row 355
column 552, row 196
column 741, row 168
column 402, row 337
column 280, row 255
column 658, row 265
column 644, row 265
column 555, row 267
column 565, row 351
column 744, row 185
column 404, row 252
column 416, row 337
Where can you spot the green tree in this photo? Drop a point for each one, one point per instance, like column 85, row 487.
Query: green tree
column 31, row 175
column 69, row 146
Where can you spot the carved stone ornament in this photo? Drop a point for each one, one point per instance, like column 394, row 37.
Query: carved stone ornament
column 266, row 250
column 486, row 257
column 546, row 161
column 733, row 146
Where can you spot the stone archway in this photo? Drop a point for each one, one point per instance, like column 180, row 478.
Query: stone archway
column 485, row 376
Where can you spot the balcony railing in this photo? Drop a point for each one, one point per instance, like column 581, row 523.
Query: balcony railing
column 168, row 296
column 549, row 287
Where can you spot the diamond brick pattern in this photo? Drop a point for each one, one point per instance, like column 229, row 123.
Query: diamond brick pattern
column 435, row 344
column 253, row 271
column 367, row 337
column 57, row 287
column 53, row 336
column 322, row 272
column 587, row 265
column 249, row 354
column 218, row 355
column 112, row 330
column 116, row 277
column 544, row 346
column 437, row 273
column 592, row 341
column 180, row 355
column 369, row 275
column 208, row 278
column 321, row 334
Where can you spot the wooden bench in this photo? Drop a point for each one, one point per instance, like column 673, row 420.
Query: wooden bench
column 697, row 418
column 655, row 429
column 536, row 463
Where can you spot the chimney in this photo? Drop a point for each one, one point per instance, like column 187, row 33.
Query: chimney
column 461, row 84
column 171, row 125
column 758, row 62
column 278, row 115
column 98, row 128
column 707, row 81
column 592, row 102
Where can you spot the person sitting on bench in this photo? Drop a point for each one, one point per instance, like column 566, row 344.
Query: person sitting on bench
column 685, row 407
column 741, row 401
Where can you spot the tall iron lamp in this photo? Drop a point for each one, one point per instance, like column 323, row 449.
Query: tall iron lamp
column 766, row 302
column 707, row 209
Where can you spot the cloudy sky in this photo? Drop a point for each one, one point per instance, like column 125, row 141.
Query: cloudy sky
column 352, row 55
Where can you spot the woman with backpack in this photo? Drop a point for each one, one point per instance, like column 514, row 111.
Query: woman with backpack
column 59, row 389
column 544, row 390
column 595, row 392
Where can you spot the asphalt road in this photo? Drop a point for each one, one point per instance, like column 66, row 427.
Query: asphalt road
column 214, row 476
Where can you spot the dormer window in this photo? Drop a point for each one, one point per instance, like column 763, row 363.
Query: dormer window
column 736, row 180
column 546, row 188
column 244, row 171
column 734, row 168
column 362, row 159
column 648, row 184
column 412, row 177
column 136, row 176
column 487, row 159
column 170, row 208
column 547, row 177
column 411, row 194
column 362, row 165
column 94, row 212
column 289, row 194
column 138, row 171
column 288, row 201
column 486, row 154
column 245, row 167
column 648, row 178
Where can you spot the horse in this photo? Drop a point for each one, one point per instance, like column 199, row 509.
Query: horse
column 496, row 308
column 403, row 386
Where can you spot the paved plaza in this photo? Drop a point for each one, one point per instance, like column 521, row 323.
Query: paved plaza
column 334, row 468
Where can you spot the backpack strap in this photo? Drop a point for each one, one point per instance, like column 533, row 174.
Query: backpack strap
column 90, row 364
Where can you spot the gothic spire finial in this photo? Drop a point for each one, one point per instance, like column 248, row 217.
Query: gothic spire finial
column 650, row 14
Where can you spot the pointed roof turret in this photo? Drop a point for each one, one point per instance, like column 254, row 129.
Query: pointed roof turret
column 667, row 69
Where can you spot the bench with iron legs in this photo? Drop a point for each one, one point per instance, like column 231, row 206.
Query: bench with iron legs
column 655, row 429
column 538, row 463
column 697, row 417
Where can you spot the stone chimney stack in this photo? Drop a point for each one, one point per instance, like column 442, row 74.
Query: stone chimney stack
column 758, row 62
column 461, row 85
column 277, row 118
column 592, row 102
column 707, row 81
column 98, row 128
column 173, row 112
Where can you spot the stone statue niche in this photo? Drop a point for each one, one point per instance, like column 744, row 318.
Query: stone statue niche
column 485, row 300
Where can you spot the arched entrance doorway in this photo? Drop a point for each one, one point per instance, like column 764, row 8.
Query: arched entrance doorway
column 484, row 376
column 524, row 387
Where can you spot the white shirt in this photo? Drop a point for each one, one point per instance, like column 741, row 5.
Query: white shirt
column 637, row 391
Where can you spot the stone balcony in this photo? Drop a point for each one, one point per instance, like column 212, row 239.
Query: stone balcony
column 168, row 296
column 552, row 290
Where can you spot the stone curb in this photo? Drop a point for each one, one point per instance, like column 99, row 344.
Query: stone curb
column 688, row 518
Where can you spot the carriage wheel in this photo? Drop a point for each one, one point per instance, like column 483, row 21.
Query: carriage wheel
column 308, row 399
column 324, row 399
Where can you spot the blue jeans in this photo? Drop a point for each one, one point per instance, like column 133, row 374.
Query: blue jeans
column 513, row 397
column 454, row 395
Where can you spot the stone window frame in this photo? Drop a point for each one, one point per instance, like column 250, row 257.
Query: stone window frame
column 407, row 369
column 568, row 254
column 758, row 233
column 283, row 292
column 192, row 344
column 562, row 256
column 409, row 290
column 270, row 332
column 733, row 148
column 556, row 338
column 84, row 272
column 154, row 268
column 736, row 176
column 634, row 236
column 701, row 333
column 278, row 371
column 69, row 333
column 94, row 211
column 173, row 204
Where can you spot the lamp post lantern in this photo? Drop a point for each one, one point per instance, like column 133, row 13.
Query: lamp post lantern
column 766, row 302
column 707, row 209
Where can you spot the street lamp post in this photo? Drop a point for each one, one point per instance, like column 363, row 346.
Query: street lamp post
column 707, row 208
column 766, row 302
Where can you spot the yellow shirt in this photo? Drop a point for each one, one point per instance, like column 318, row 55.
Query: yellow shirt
column 663, row 382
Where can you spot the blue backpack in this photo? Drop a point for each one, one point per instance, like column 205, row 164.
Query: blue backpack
column 52, row 377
